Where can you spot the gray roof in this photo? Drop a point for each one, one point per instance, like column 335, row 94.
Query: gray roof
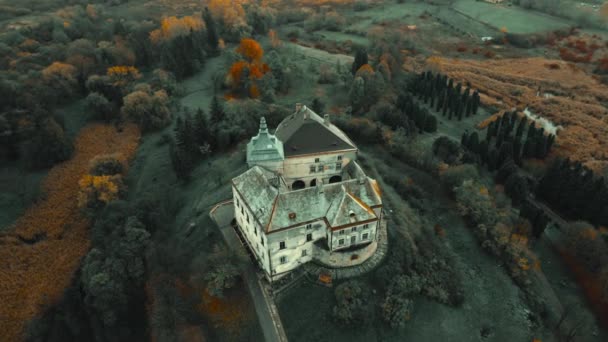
column 264, row 146
column 340, row 204
column 305, row 132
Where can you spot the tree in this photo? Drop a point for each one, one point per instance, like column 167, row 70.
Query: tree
column 100, row 106
column 148, row 110
column 48, row 145
column 317, row 105
column 430, row 123
column 212, row 36
column 216, row 111
column 352, row 306
column 107, row 164
column 360, row 60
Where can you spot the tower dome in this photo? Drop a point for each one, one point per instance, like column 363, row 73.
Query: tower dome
column 265, row 149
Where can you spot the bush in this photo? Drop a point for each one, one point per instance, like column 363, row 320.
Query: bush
column 353, row 307
column 454, row 176
column 587, row 245
column 447, row 150
column 107, row 164
column 475, row 202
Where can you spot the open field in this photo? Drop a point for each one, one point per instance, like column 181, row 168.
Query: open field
column 513, row 19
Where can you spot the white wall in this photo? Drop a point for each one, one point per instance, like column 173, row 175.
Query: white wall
column 249, row 229
column 295, row 242
column 346, row 234
column 298, row 168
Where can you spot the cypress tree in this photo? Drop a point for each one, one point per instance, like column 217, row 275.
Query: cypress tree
column 201, row 128
column 483, row 151
column 521, row 126
column 464, row 139
column 216, row 111
column 212, row 36
column 360, row 59
column 476, row 100
column 474, row 142
column 430, row 124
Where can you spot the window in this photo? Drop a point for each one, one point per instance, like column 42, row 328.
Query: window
column 282, row 245
column 365, row 236
column 342, row 232
column 255, row 230
column 304, row 252
column 320, row 168
column 309, row 237
column 237, row 203
column 317, row 160
column 339, row 157
column 242, row 211
column 339, row 166
column 353, row 239
column 247, row 217
column 309, row 226
column 262, row 240
column 283, row 259
column 313, row 169
column 365, row 226
column 354, row 229
column 341, row 242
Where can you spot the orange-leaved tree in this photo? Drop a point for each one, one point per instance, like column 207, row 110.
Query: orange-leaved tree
column 171, row 27
column 244, row 73
column 122, row 74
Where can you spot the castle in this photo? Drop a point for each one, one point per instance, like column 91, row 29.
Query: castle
column 304, row 196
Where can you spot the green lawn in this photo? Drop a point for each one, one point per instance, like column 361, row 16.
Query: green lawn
column 514, row 19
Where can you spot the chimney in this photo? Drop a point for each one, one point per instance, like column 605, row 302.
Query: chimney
column 298, row 107
column 326, row 119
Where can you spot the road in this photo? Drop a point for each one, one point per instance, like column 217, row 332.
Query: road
column 265, row 307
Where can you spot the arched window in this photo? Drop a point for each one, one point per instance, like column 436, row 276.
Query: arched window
column 313, row 182
column 297, row 185
column 335, row 179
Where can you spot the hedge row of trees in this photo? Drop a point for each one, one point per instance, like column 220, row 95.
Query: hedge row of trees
column 575, row 191
column 439, row 92
column 421, row 117
column 504, row 142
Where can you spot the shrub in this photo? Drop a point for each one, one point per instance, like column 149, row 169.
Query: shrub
column 352, row 306
column 475, row 202
column 107, row 164
column 454, row 176
column 587, row 245
column 447, row 150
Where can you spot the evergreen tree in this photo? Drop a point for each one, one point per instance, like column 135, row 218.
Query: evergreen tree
column 521, row 126
column 430, row 124
column 360, row 60
column 317, row 106
column 216, row 111
column 474, row 142
column 212, row 36
column 201, row 128
column 464, row 139
column 476, row 102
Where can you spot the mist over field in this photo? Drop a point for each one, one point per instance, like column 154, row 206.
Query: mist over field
column 482, row 124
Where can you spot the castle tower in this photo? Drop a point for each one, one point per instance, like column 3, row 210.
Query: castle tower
column 265, row 150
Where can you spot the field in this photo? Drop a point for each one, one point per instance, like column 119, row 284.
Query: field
column 513, row 19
